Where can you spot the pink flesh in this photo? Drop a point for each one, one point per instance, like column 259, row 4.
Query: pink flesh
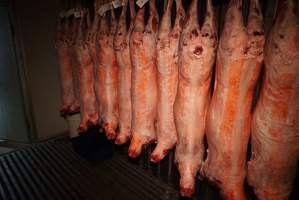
column 68, row 99
column 275, row 125
column 89, row 112
column 106, row 83
column 122, row 50
column 167, row 63
column 238, row 64
column 144, row 80
column 196, row 59
column 91, row 39
column 75, row 25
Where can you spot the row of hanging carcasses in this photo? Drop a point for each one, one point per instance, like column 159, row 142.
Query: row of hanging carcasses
column 152, row 82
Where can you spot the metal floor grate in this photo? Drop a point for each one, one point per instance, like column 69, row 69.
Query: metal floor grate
column 53, row 171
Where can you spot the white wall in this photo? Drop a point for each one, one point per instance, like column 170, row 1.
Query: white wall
column 35, row 21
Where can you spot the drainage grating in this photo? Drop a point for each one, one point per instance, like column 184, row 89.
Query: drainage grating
column 53, row 171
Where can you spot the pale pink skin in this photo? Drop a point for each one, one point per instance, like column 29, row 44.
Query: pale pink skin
column 89, row 112
column 71, row 40
column 91, row 43
column 238, row 64
column 91, row 38
column 65, row 69
column 167, row 63
column 275, row 124
column 122, row 51
column 196, row 59
column 144, row 80
column 107, row 78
